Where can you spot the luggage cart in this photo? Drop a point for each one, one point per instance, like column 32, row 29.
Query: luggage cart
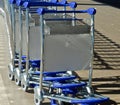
column 16, row 38
column 68, row 49
column 22, row 45
column 19, row 75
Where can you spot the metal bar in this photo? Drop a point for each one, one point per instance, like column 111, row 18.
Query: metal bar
column 90, row 11
column 73, row 16
column 20, row 38
column 92, row 51
column 27, row 40
column 64, row 14
column 42, row 54
column 10, row 12
column 61, row 19
column 14, row 32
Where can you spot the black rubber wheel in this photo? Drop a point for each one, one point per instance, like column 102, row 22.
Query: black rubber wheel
column 11, row 77
column 17, row 81
column 24, row 87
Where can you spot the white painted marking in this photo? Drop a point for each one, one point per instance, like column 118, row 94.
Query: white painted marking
column 8, row 34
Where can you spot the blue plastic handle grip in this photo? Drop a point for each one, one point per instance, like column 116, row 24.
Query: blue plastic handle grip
column 63, row 2
column 20, row 2
column 54, row 1
column 90, row 11
column 12, row 1
column 31, row 3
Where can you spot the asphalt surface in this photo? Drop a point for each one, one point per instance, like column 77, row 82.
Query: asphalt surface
column 106, row 76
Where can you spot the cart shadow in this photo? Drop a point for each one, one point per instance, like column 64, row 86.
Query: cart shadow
column 31, row 91
column 113, row 83
column 107, row 85
column 106, row 53
column 106, row 57
column 111, row 102
column 114, row 3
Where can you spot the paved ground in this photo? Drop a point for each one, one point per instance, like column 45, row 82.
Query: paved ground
column 106, row 76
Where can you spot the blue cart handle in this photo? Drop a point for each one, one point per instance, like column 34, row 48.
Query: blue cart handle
column 20, row 2
column 61, row 2
column 12, row 1
column 90, row 11
column 31, row 3
column 17, row 2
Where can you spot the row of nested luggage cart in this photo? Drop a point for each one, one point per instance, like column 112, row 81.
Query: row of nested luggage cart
column 49, row 42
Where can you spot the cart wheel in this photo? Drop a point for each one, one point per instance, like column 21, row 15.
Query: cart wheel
column 24, row 87
column 11, row 76
column 65, row 103
column 37, row 101
column 17, row 81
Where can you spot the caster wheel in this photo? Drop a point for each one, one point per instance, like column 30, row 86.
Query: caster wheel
column 24, row 87
column 17, row 81
column 37, row 101
column 11, row 77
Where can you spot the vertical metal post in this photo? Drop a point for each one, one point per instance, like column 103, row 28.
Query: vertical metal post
column 73, row 16
column 64, row 14
column 14, row 32
column 20, row 39
column 92, row 51
column 10, row 12
column 27, row 40
column 41, row 55
column 55, row 9
column 9, row 6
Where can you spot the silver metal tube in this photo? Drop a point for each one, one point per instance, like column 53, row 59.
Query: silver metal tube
column 27, row 40
column 9, row 7
column 92, row 51
column 14, row 32
column 10, row 12
column 20, row 39
column 64, row 14
column 74, row 16
column 42, row 55
column 55, row 9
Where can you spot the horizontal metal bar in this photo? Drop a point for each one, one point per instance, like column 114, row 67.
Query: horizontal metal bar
column 90, row 11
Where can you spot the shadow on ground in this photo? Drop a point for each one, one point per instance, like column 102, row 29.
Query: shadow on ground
column 106, row 53
column 108, row 85
column 106, row 57
column 114, row 3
